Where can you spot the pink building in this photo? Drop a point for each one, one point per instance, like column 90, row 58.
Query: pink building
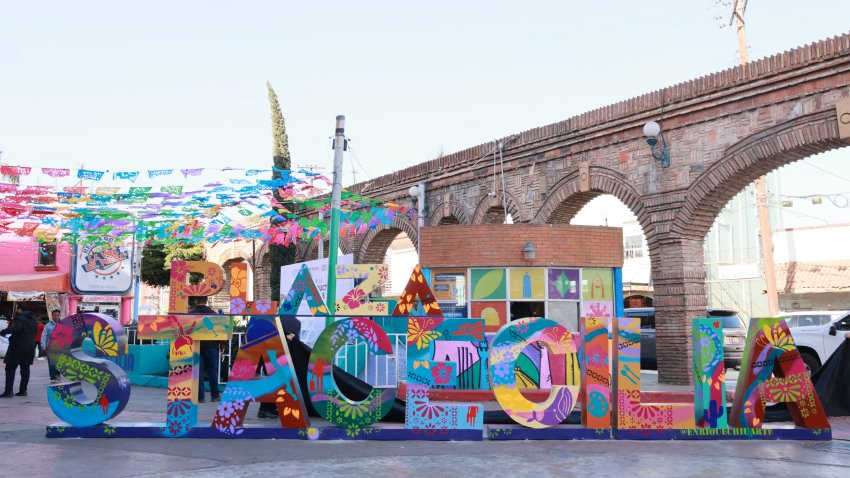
column 27, row 266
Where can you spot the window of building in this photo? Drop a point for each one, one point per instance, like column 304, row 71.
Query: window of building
column 46, row 254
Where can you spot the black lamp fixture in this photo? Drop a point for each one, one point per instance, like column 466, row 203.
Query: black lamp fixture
column 529, row 251
column 652, row 131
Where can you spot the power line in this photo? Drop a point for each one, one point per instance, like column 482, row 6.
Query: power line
column 826, row 171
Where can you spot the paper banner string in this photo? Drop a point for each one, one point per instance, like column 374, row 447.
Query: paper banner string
column 242, row 210
column 15, row 171
column 56, row 172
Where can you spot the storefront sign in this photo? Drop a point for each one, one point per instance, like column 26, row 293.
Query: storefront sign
column 102, row 299
column 102, row 266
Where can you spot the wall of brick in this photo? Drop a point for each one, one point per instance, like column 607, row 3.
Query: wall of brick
column 502, row 244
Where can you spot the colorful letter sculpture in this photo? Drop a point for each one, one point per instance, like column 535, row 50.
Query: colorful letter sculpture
column 417, row 287
column 180, row 291
column 184, row 332
column 355, row 301
column 431, row 366
column 326, row 397
column 596, row 380
column 709, row 374
column 630, row 413
column 773, row 371
column 443, row 357
column 238, row 287
column 263, row 347
column 303, row 287
column 112, row 388
column 506, row 348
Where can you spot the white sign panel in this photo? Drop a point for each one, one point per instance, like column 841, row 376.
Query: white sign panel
column 104, row 299
column 103, row 266
column 312, row 326
column 738, row 271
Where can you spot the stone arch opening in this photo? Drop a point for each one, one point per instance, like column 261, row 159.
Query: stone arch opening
column 732, row 239
column 494, row 215
column 568, row 208
column 448, row 214
column 491, row 210
column 566, row 198
column 749, row 159
column 372, row 247
column 221, row 301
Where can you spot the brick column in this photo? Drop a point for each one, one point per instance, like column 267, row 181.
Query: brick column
column 678, row 276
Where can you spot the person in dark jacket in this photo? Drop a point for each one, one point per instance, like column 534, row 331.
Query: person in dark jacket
column 21, row 350
column 209, row 355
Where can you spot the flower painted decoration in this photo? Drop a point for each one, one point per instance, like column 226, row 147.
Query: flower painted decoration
column 237, row 305
column 263, row 305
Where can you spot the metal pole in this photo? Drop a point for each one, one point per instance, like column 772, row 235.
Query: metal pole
column 138, row 250
column 420, row 218
column 765, row 229
column 336, row 200
column 321, row 239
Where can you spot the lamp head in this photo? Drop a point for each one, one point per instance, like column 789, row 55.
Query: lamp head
column 651, row 130
column 529, row 251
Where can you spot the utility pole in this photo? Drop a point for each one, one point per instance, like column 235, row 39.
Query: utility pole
column 336, row 201
column 313, row 168
column 765, row 230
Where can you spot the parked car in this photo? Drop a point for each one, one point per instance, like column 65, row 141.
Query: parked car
column 816, row 343
column 810, row 317
column 4, row 341
column 734, row 335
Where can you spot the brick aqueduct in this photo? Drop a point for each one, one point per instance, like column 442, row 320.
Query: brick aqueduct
column 724, row 130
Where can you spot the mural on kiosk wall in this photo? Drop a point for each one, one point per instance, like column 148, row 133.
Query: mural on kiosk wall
column 488, row 284
column 442, row 353
column 564, row 284
column 494, row 313
column 528, row 284
column 597, row 293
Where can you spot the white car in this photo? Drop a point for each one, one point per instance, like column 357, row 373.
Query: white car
column 818, row 341
column 807, row 318
column 4, row 341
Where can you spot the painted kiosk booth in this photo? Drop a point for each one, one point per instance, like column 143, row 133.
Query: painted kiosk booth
column 565, row 337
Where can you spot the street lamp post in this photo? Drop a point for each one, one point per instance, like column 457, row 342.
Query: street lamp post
column 417, row 193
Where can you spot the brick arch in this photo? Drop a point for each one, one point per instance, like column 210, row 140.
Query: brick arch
column 750, row 159
column 489, row 203
column 458, row 214
column 565, row 200
column 222, row 299
column 307, row 251
column 373, row 247
column 223, row 252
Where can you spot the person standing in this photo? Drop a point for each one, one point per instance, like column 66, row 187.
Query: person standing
column 39, row 353
column 45, row 341
column 21, row 351
column 209, row 355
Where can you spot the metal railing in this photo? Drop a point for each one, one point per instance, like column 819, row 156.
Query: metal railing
column 380, row 371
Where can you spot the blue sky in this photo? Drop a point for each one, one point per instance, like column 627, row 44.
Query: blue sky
column 182, row 84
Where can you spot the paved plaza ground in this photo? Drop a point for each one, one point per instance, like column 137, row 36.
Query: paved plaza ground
column 25, row 452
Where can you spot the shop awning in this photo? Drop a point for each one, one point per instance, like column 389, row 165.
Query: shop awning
column 55, row 282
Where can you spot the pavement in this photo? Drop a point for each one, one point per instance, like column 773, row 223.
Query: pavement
column 25, row 452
